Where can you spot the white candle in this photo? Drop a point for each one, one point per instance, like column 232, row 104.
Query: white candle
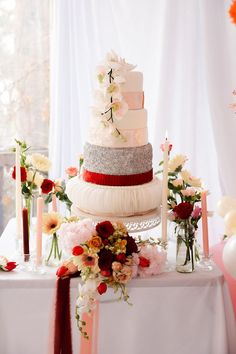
column 205, row 239
column 39, row 230
column 164, row 192
column 18, row 194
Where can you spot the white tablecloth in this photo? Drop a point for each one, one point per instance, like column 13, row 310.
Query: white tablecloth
column 172, row 313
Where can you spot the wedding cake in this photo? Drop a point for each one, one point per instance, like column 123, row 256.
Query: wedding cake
column 117, row 178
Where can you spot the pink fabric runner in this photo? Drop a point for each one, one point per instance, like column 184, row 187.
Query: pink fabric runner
column 217, row 252
column 61, row 342
column 90, row 346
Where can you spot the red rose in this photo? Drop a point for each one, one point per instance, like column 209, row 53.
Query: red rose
column 183, row 210
column 77, row 250
column 105, row 273
column 105, row 259
column 23, row 173
column 102, row 288
column 131, row 246
column 105, row 241
column 105, row 229
column 121, row 257
column 10, row 266
column 47, row 186
column 61, row 271
column 144, row 262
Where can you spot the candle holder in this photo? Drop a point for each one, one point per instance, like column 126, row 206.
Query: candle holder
column 23, row 262
column 37, row 266
column 206, row 263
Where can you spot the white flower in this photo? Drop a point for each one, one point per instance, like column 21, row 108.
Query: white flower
column 40, row 162
column 3, row 261
column 176, row 162
column 189, row 179
column 119, row 108
column 38, row 178
column 58, row 185
column 87, row 296
column 177, row 182
column 156, row 258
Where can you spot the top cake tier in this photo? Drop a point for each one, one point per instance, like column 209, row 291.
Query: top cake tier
column 119, row 118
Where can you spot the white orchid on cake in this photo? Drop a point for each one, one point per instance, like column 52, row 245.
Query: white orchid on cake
column 110, row 104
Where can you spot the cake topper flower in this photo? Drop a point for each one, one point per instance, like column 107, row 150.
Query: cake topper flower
column 109, row 102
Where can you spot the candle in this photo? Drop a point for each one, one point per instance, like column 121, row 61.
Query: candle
column 39, row 230
column 204, row 224
column 18, row 194
column 54, row 202
column 164, row 192
column 25, row 234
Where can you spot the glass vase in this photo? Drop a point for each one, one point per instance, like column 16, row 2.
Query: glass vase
column 29, row 204
column 185, row 250
column 53, row 254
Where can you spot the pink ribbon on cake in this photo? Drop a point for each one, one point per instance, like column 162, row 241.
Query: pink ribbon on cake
column 113, row 180
column 135, row 100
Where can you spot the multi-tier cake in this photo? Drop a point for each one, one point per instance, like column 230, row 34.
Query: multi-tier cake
column 117, row 178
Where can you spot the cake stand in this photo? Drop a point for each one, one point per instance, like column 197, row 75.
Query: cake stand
column 134, row 224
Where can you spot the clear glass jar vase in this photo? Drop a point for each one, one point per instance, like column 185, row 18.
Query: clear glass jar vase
column 53, row 254
column 185, row 249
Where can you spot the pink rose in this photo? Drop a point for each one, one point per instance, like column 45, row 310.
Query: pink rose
column 72, row 171
column 196, row 212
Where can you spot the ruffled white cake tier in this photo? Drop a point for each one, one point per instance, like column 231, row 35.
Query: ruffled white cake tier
column 114, row 201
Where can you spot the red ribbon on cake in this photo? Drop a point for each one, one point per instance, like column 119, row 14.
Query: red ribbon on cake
column 135, row 100
column 114, row 180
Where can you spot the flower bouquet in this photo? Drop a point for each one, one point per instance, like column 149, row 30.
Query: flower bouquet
column 106, row 256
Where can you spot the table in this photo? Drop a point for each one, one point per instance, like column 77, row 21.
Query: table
column 171, row 313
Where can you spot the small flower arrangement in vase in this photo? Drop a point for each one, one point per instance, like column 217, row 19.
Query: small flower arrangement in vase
column 184, row 211
column 33, row 170
column 51, row 224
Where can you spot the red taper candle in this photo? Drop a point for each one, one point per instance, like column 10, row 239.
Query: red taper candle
column 25, row 234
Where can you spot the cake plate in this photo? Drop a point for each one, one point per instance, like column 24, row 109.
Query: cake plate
column 134, row 224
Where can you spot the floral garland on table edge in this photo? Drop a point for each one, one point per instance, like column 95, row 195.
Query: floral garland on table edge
column 5, row 265
column 106, row 256
column 109, row 102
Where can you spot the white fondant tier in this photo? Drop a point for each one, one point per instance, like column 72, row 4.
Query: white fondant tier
column 133, row 119
column 133, row 127
column 114, row 201
column 134, row 137
column 133, row 83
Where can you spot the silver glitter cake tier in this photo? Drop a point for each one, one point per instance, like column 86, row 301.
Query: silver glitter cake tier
column 118, row 161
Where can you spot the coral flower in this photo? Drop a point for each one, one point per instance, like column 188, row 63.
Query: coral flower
column 51, row 222
column 232, row 11
column 88, row 260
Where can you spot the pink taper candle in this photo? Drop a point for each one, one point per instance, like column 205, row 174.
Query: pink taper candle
column 54, row 203
column 39, row 230
column 204, row 224
column 164, row 208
